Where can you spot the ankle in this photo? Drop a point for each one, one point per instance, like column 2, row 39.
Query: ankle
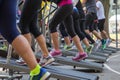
column 46, row 55
column 81, row 53
column 87, row 46
column 57, row 50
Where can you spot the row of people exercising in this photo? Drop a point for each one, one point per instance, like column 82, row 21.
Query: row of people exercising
column 27, row 21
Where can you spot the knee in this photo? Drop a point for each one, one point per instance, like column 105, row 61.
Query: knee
column 10, row 35
column 82, row 36
column 35, row 30
column 87, row 31
column 101, row 30
column 23, row 28
column 72, row 34
column 52, row 28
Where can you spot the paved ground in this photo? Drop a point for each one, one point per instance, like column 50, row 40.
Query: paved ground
column 111, row 69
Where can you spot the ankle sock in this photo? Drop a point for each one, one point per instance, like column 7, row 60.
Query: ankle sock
column 35, row 71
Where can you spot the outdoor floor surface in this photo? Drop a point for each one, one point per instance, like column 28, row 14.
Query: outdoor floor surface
column 111, row 69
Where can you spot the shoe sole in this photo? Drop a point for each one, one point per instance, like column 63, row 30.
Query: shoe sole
column 46, row 76
column 22, row 63
column 81, row 58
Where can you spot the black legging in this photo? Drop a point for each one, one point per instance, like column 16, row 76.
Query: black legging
column 82, row 27
column 77, row 24
column 63, row 30
column 82, row 21
column 63, row 14
column 28, row 21
column 90, row 22
column 75, row 16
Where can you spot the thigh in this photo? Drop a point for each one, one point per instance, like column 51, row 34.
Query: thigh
column 0, row 2
column 94, row 22
column 8, row 20
column 88, row 21
column 69, row 25
column 101, row 24
column 63, row 30
column 61, row 14
column 34, row 28
column 8, row 14
column 82, row 25
column 29, row 11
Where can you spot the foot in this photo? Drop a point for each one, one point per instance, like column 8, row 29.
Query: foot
column 66, row 47
column 89, row 49
column 46, row 60
column 108, row 41
column 3, row 47
column 103, row 44
column 21, row 61
column 55, row 53
column 43, row 75
column 80, row 56
column 96, row 46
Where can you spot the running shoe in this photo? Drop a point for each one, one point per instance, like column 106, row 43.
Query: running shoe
column 108, row 41
column 55, row 53
column 66, row 47
column 45, row 61
column 21, row 62
column 96, row 46
column 79, row 56
column 3, row 47
column 103, row 44
column 74, row 47
column 43, row 75
column 89, row 49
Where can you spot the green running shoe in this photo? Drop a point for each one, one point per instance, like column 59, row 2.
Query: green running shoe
column 104, row 44
column 3, row 47
column 89, row 49
column 67, row 47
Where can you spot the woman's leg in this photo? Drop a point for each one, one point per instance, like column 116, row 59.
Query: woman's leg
column 68, row 22
column 35, row 30
column 30, row 7
column 66, row 36
column 77, row 27
column 20, row 44
column 31, row 27
column 82, row 27
column 58, row 18
column 101, row 28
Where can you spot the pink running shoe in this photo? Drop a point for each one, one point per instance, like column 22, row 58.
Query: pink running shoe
column 79, row 56
column 55, row 53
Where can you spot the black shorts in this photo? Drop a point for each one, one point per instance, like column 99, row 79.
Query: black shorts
column 91, row 21
column 101, row 24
